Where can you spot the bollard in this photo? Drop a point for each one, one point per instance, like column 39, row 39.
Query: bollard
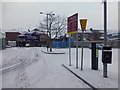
column 94, row 61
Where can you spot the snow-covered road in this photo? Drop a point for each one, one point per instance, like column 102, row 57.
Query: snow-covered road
column 30, row 68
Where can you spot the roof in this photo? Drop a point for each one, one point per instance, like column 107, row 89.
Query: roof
column 89, row 31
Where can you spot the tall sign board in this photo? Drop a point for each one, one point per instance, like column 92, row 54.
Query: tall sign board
column 72, row 27
column 72, row 24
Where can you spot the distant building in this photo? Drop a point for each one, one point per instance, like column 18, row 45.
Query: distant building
column 33, row 38
column 113, row 37
column 114, row 40
column 12, row 37
column 21, row 40
column 2, row 41
column 44, row 39
column 89, row 35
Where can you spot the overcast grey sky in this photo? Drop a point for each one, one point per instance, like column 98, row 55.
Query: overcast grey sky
column 26, row 14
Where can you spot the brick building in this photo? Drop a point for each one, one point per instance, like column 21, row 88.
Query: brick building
column 33, row 38
column 12, row 36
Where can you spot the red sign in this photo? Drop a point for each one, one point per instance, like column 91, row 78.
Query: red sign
column 72, row 24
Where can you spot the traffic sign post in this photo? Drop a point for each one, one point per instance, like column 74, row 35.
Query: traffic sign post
column 72, row 27
column 69, row 50
column 77, row 50
column 83, row 23
column 72, row 24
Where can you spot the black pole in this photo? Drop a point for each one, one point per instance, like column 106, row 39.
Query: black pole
column 105, row 36
column 105, row 22
column 47, row 32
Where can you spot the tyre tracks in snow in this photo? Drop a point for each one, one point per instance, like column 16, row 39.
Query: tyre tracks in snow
column 12, row 64
column 42, row 70
column 22, row 80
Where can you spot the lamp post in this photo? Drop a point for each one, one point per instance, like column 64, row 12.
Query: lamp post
column 48, row 14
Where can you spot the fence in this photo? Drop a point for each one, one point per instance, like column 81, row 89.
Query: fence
column 61, row 44
column 2, row 43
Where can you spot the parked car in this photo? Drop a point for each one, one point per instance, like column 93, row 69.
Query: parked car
column 27, row 45
column 8, row 46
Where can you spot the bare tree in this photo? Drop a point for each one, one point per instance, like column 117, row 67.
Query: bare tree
column 54, row 26
column 59, row 27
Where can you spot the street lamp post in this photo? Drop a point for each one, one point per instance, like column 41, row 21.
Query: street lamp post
column 47, row 31
column 48, row 14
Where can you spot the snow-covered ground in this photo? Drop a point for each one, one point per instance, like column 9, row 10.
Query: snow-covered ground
column 95, row 77
column 31, row 68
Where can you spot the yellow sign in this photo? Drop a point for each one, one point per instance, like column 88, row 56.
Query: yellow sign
column 83, row 23
column 72, row 32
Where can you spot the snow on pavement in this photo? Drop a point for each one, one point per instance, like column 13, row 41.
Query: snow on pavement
column 39, row 70
column 95, row 77
column 51, row 74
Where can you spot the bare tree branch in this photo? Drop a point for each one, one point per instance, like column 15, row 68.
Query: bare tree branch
column 56, row 25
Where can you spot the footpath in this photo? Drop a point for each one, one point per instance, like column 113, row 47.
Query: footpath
column 94, row 78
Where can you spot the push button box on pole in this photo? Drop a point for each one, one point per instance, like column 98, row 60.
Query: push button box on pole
column 107, row 54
